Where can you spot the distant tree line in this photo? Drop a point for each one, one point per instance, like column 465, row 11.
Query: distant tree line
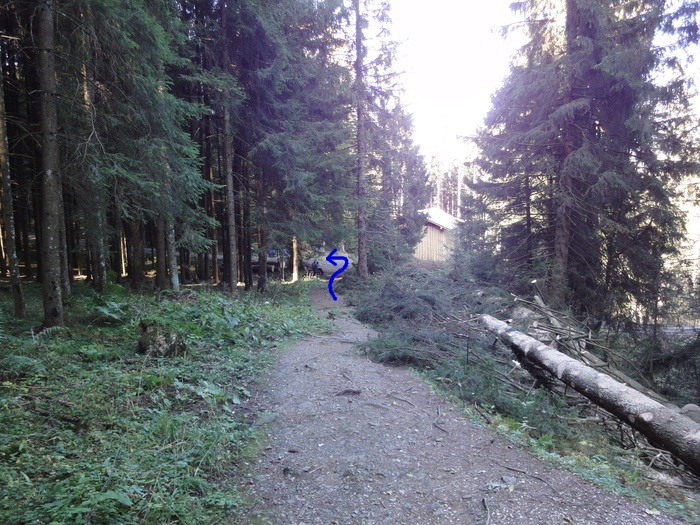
column 203, row 131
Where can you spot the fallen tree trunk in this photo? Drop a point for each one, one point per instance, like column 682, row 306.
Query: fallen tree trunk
column 578, row 347
column 664, row 427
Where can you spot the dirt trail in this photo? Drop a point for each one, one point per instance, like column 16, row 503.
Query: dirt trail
column 355, row 442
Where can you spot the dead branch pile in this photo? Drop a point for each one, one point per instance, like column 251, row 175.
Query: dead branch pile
column 565, row 333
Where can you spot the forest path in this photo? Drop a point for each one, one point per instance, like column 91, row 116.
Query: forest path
column 352, row 442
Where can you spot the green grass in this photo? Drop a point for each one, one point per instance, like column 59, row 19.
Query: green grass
column 92, row 432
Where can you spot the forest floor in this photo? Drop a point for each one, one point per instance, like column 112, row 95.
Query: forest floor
column 350, row 441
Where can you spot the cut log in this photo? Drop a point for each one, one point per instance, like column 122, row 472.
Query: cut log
column 664, row 427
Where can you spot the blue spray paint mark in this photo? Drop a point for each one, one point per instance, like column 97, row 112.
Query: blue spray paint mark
column 334, row 260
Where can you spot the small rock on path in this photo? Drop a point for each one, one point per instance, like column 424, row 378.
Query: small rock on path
column 355, row 442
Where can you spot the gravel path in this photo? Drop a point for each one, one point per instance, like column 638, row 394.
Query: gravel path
column 355, row 442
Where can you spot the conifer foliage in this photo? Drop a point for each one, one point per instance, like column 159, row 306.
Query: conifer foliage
column 581, row 150
column 189, row 137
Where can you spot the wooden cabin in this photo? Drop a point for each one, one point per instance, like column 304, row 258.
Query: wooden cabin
column 437, row 241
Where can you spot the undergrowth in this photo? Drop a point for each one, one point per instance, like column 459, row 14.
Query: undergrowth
column 426, row 318
column 93, row 433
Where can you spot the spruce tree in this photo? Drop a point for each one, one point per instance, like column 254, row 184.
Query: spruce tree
column 360, row 110
column 579, row 170
column 394, row 181
column 294, row 123
column 124, row 136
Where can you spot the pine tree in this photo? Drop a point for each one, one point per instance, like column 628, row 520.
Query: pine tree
column 394, row 184
column 231, row 247
column 360, row 108
column 293, row 125
column 578, row 170
column 197, row 124
column 127, row 148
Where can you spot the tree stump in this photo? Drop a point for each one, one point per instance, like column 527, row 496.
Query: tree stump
column 156, row 340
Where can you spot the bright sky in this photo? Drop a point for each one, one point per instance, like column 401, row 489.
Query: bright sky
column 454, row 58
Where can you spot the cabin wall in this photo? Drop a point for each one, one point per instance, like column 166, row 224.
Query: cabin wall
column 435, row 244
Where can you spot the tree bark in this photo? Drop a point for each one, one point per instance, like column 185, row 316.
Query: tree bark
column 99, row 255
column 262, row 261
column 262, row 234
column 161, row 257
column 232, row 245
column 663, row 426
column 172, row 254
column 94, row 198
column 214, row 253
column 562, row 239
column 247, row 231
column 51, row 181
column 24, row 223
column 362, row 269
column 563, row 196
column 295, row 259
column 66, row 271
column 8, row 212
column 136, row 267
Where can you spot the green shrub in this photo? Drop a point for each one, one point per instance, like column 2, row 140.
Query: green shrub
column 93, row 432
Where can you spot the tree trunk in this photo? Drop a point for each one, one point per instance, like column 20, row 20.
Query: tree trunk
column 25, row 233
column 94, row 198
column 295, row 260
column 3, row 257
column 562, row 236
column 214, row 254
column 184, row 265
column 248, row 253
column 118, row 247
column 171, row 254
column 576, row 27
column 232, row 244
column 362, row 269
column 262, row 230
column 663, row 426
column 8, row 238
column 66, row 271
column 99, row 253
column 161, row 257
column 136, row 267
column 51, row 181
column 31, row 171
column 262, row 261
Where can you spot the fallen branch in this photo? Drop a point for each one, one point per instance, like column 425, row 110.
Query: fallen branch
column 435, row 423
column 488, row 511
column 65, row 417
column 527, row 474
column 401, row 399
column 482, row 414
column 349, row 392
column 576, row 337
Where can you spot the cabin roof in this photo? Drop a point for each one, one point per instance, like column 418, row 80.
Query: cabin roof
column 440, row 218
